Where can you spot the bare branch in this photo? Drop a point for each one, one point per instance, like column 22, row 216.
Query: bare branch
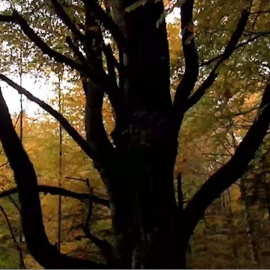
column 60, row 191
column 37, row 241
column 232, row 170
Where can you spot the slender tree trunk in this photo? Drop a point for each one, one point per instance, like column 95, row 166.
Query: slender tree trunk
column 232, row 232
column 250, row 235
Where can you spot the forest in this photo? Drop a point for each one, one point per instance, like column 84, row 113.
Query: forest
column 134, row 134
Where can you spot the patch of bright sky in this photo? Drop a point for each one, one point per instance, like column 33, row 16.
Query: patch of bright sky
column 175, row 14
column 40, row 88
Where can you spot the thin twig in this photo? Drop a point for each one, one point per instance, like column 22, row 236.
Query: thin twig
column 13, row 236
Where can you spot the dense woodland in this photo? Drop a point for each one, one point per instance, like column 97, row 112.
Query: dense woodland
column 152, row 149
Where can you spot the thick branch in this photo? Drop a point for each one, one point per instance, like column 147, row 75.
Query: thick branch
column 229, row 49
column 191, row 61
column 6, row 18
column 232, row 170
column 88, row 149
column 60, row 191
column 37, row 241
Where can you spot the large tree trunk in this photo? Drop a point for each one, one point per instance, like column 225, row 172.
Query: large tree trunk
column 144, row 211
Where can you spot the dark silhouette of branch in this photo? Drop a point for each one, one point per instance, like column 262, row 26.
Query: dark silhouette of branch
column 60, row 191
column 180, row 196
column 107, row 22
column 112, row 63
column 240, row 45
column 13, row 236
column 32, row 35
column 67, row 20
column 25, row 177
column 4, row 164
column 232, row 170
column 13, row 202
column 99, row 77
column 191, row 62
column 88, row 149
column 6, row 18
column 229, row 49
column 75, row 50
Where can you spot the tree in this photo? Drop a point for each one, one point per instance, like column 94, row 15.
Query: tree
column 136, row 162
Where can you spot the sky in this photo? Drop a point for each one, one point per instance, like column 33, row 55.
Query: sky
column 40, row 88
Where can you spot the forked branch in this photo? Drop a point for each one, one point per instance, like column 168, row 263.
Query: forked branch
column 229, row 49
column 232, row 170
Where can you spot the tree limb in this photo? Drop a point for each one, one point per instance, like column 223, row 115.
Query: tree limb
column 232, row 170
column 60, row 191
column 6, row 18
column 112, row 63
column 32, row 35
column 37, row 241
column 240, row 45
column 229, row 49
column 108, row 23
column 75, row 50
column 4, row 164
column 191, row 61
column 67, row 20
column 88, row 149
